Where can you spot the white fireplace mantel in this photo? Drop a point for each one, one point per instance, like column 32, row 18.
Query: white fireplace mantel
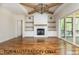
column 40, row 21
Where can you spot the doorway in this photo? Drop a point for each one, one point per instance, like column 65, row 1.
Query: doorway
column 19, row 28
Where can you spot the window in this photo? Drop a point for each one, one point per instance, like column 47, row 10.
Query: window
column 66, row 27
column 77, row 30
column 69, row 28
column 62, row 25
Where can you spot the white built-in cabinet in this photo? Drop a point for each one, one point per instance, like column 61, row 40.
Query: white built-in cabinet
column 51, row 24
column 29, row 23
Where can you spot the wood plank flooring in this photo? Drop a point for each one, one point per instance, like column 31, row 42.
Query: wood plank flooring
column 37, row 46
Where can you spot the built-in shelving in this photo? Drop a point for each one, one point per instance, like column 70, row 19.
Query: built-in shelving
column 51, row 24
column 29, row 23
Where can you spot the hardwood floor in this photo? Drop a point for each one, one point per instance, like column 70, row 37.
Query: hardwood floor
column 37, row 46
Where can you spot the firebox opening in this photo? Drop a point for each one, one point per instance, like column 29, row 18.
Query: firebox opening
column 40, row 31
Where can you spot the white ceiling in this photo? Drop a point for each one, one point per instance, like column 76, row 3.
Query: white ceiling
column 53, row 8
column 14, row 7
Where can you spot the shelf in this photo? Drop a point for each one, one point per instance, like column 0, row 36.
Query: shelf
column 52, row 29
column 51, row 26
column 29, row 27
column 29, row 30
column 51, row 22
column 29, row 22
column 40, row 24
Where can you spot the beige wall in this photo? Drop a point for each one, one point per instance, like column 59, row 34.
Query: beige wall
column 8, row 24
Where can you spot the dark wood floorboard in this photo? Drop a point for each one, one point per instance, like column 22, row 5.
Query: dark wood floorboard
column 37, row 46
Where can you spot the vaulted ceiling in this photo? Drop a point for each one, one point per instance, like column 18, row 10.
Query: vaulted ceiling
column 41, row 7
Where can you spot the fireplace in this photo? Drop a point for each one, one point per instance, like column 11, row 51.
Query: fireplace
column 40, row 31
